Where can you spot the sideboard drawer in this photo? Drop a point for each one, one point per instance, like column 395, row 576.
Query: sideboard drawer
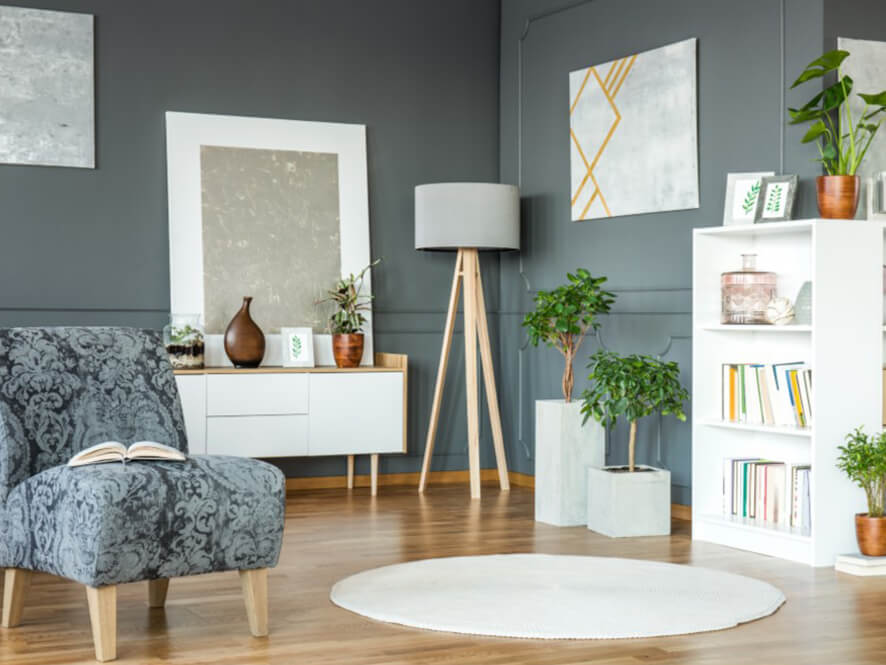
column 257, row 436
column 256, row 394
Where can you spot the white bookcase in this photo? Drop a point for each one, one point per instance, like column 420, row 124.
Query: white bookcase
column 844, row 345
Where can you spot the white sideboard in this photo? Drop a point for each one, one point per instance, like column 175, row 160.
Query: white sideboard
column 298, row 412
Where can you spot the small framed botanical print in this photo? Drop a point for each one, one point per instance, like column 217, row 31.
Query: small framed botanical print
column 776, row 201
column 298, row 347
column 742, row 192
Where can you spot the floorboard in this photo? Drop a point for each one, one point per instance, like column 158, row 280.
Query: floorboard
column 829, row 618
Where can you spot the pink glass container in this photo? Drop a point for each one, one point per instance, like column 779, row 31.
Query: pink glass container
column 745, row 293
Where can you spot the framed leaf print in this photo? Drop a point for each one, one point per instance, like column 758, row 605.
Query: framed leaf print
column 742, row 192
column 298, row 347
column 776, row 200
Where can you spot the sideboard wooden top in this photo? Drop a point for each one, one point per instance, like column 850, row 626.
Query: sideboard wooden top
column 384, row 362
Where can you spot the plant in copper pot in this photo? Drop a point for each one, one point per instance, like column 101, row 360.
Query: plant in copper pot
column 842, row 140
column 863, row 459
column 347, row 321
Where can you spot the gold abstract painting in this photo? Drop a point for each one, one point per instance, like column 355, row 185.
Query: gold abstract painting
column 633, row 134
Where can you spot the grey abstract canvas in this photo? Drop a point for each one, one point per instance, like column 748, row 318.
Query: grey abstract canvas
column 633, row 134
column 866, row 65
column 271, row 230
column 47, row 99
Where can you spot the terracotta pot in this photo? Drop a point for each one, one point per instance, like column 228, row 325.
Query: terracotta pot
column 348, row 349
column 871, row 534
column 244, row 340
column 838, row 195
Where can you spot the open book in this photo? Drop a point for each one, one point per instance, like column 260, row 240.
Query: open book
column 114, row 451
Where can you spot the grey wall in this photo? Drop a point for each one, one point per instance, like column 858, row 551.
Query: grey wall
column 746, row 52
column 82, row 247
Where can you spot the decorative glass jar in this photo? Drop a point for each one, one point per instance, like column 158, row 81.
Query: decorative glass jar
column 746, row 293
column 183, row 338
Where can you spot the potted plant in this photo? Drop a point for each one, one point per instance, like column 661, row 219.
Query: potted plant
column 863, row 459
column 842, row 141
column 563, row 448
column 347, row 321
column 632, row 500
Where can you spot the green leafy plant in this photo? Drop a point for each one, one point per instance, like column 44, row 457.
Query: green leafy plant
column 842, row 141
column 863, row 459
column 350, row 303
column 773, row 201
column 295, row 346
column 562, row 318
column 184, row 335
column 632, row 387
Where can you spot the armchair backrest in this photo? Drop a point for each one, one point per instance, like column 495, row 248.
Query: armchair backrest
column 66, row 389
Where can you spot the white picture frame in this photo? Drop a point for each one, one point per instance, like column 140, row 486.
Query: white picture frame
column 297, row 347
column 740, row 204
column 875, row 198
column 187, row 132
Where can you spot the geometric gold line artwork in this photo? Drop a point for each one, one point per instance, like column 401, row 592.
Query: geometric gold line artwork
column 633, row 134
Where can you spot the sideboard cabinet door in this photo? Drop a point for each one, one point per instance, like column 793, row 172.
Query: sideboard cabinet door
column 192, row 392
column 358, row 413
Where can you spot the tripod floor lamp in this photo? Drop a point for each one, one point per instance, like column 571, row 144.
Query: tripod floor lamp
column 467, row 218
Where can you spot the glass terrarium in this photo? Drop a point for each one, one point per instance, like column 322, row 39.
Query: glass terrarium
column 745, row 293
column 183, row 338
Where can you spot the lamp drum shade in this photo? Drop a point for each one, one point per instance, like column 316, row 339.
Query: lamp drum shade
column 453, row 215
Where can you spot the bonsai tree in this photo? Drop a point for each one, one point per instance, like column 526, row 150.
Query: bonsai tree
column 350, row 303
column 843, row 141
column 632, row 387
column 863, row 459
column 562, row 317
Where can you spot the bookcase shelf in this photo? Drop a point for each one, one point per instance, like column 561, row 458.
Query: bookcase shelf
column 779, row 430
column 843, row 259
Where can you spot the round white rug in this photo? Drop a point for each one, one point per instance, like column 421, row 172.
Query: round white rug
column 556, row 597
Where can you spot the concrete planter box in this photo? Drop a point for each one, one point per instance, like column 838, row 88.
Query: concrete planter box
column 629, row 504
column 564, row 450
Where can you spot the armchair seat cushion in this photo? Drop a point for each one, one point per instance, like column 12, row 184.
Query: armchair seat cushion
column 114, row 523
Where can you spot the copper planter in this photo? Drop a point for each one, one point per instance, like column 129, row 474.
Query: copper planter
column 348, row 349
column 244, row 340
column 838, row 195
column 871, row 534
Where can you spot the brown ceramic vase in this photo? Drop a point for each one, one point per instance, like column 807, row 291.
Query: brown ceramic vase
column 838, row 195
column 244, row 340
column 871, row 534
column 348, row 349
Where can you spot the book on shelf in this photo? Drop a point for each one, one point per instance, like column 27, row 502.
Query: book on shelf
column 114, row 451
column 770, row 491
column 759, row 394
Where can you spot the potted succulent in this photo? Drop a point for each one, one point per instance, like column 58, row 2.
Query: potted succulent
column 632, row 500
column 563, row 448
column 863, row 459
column 347, row 321
column 842, row 141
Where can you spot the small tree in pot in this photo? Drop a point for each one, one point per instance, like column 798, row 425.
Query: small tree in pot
column 863, row 459
column 630, row 504
column 564, row 316
column 347, row 321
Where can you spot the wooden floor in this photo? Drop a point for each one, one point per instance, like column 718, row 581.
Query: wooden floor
column 829, row 618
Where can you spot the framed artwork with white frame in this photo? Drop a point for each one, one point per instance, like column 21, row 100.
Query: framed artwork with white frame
column 742, row 192
column 297, row 347
column 776, row 200
column 270, row 208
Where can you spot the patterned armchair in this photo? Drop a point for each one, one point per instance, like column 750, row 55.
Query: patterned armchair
column 65, row 389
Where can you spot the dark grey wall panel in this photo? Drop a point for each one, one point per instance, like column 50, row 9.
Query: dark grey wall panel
column 90, row 247
column 743, row 49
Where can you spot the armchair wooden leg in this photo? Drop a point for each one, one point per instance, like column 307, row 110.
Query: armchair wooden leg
column 103, row 615
column 15, row 586
column 157, row 592
column 255, row 594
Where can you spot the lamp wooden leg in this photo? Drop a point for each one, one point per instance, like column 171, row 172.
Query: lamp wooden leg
column 489, row 382
column 255, row 595
column 373, row 473
column 103, row 615
column 441, row 371
column 157, row 592
column 350, row 472
column 15, row 586
column 470, row 277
